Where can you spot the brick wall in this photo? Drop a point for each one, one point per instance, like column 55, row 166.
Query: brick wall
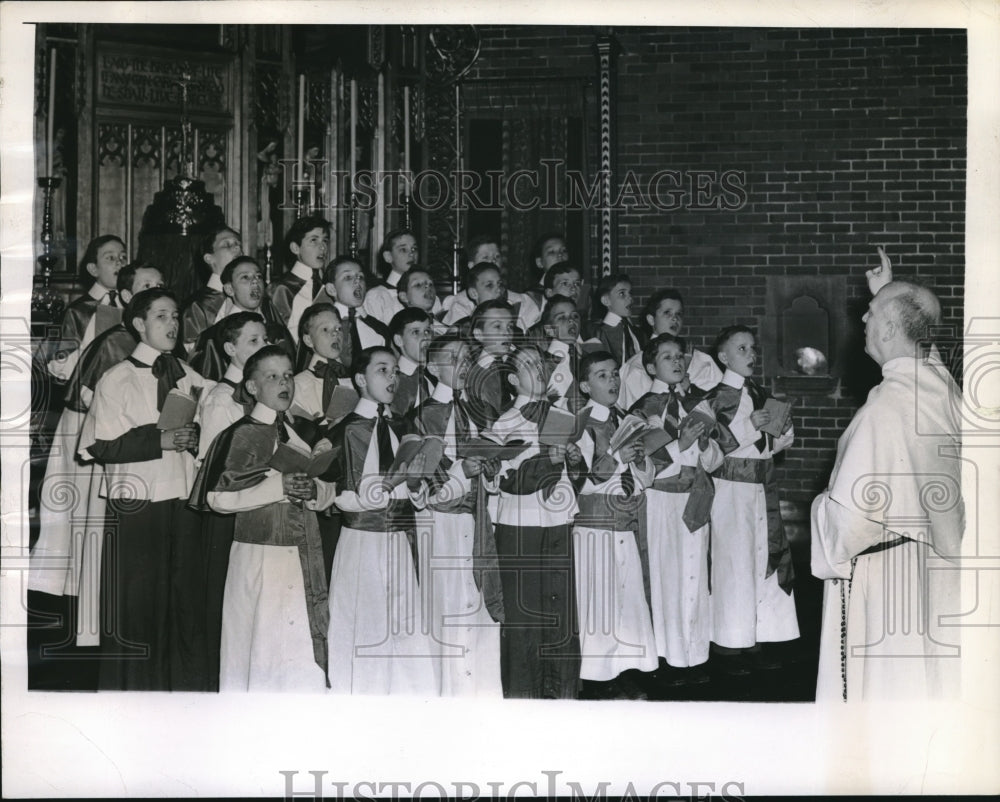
column 847, row 139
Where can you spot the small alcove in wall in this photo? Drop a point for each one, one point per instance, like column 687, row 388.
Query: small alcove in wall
column 804, row 333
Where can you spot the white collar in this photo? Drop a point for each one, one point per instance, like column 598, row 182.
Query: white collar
column 611, row 319
column 598, row 411
column 345, row 310
column 145, row 353
column 214, row 282
column 443, row 393
column 302, row 271
column 367, row 408
column 558, row 347
column 486, row 359
column 660, row 386
column 233, row 373
column 733, row 379
column 393, row 278
column 521, row 400
column 264, row 414
column 97, row 291
column 406, row 365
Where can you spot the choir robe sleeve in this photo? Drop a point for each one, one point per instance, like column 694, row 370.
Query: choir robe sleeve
column 237, row 461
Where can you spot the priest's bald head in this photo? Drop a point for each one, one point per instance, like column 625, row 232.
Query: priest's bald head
column 898, row 317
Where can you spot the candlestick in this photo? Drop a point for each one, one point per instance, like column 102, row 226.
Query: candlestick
column 50, row 139
column 302, row 120
column 354, row 131
column 406, row 136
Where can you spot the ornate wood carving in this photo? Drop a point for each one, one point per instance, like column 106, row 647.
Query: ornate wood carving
column 607, row 51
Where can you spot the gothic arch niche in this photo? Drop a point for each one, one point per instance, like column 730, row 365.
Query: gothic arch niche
column 804, row 333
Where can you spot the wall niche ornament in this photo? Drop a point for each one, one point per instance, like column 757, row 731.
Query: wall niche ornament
column 804, row 333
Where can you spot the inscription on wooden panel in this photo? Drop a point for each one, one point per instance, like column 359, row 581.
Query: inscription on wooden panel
column 150, row 77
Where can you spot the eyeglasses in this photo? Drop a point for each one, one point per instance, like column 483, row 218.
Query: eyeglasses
column 229, row 245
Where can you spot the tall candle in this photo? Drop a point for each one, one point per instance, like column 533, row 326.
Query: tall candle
column 302, row 120
column 406, row 133
column 50, row 138
column 354, row 130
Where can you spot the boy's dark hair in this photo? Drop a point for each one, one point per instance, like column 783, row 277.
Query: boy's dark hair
column 231, row 326
column 478, row 242
column 126, row 276
column 474, row 272
column 90, row 255
column 140, row 304
column 559, row 269
column 253, row 363
column 208, row 241
column 226, row 276
column 440, row 344
column 406, row 316
column 476, row 318
column 364, row 359
column 659, row 297
column 552, row 303
column 313, row 312
column 727, row 334
column 330, row 271
column 653, row 347
column 539, row 244
column 608, row 283
column 404, row 280
column 589, row 360
column 300, row 228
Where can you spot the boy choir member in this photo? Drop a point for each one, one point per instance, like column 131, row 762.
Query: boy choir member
column 539, row 647
column 275, row 611
column 485, row 282
column 752, row 574
column 463, row 617
column 613, row 569
column 410, row 332
column 615, row 332
column 346, row 287
column 678, row 510
column 400, row 252
column 377, row 637
column 416, row 289
column 320, row 348
column 243, row 288
column 560, row 327
column 153, row 559
column 563, row 278
column 102, row 260
column 308, row 242
column 65, row 560
column 664, row 314
column 219, row 247
column 549, row 249
column 488, row 391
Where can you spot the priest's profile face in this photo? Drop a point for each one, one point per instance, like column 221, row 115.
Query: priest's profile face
column 273, row 383
column 880, row 323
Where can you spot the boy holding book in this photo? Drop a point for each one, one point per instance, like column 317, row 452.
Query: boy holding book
column 539, row 647
column 752, row 574
column 153, row 562
column 274, row 611
column 664, row 314
column 377, row 640
column 678, row 510
column 610, row 541
column 465, row 600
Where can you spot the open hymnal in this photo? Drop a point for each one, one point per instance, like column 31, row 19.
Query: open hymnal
column 560, row 427
column 410, row 446
column 781, row 416
column 292, row 459
column 633, row 428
